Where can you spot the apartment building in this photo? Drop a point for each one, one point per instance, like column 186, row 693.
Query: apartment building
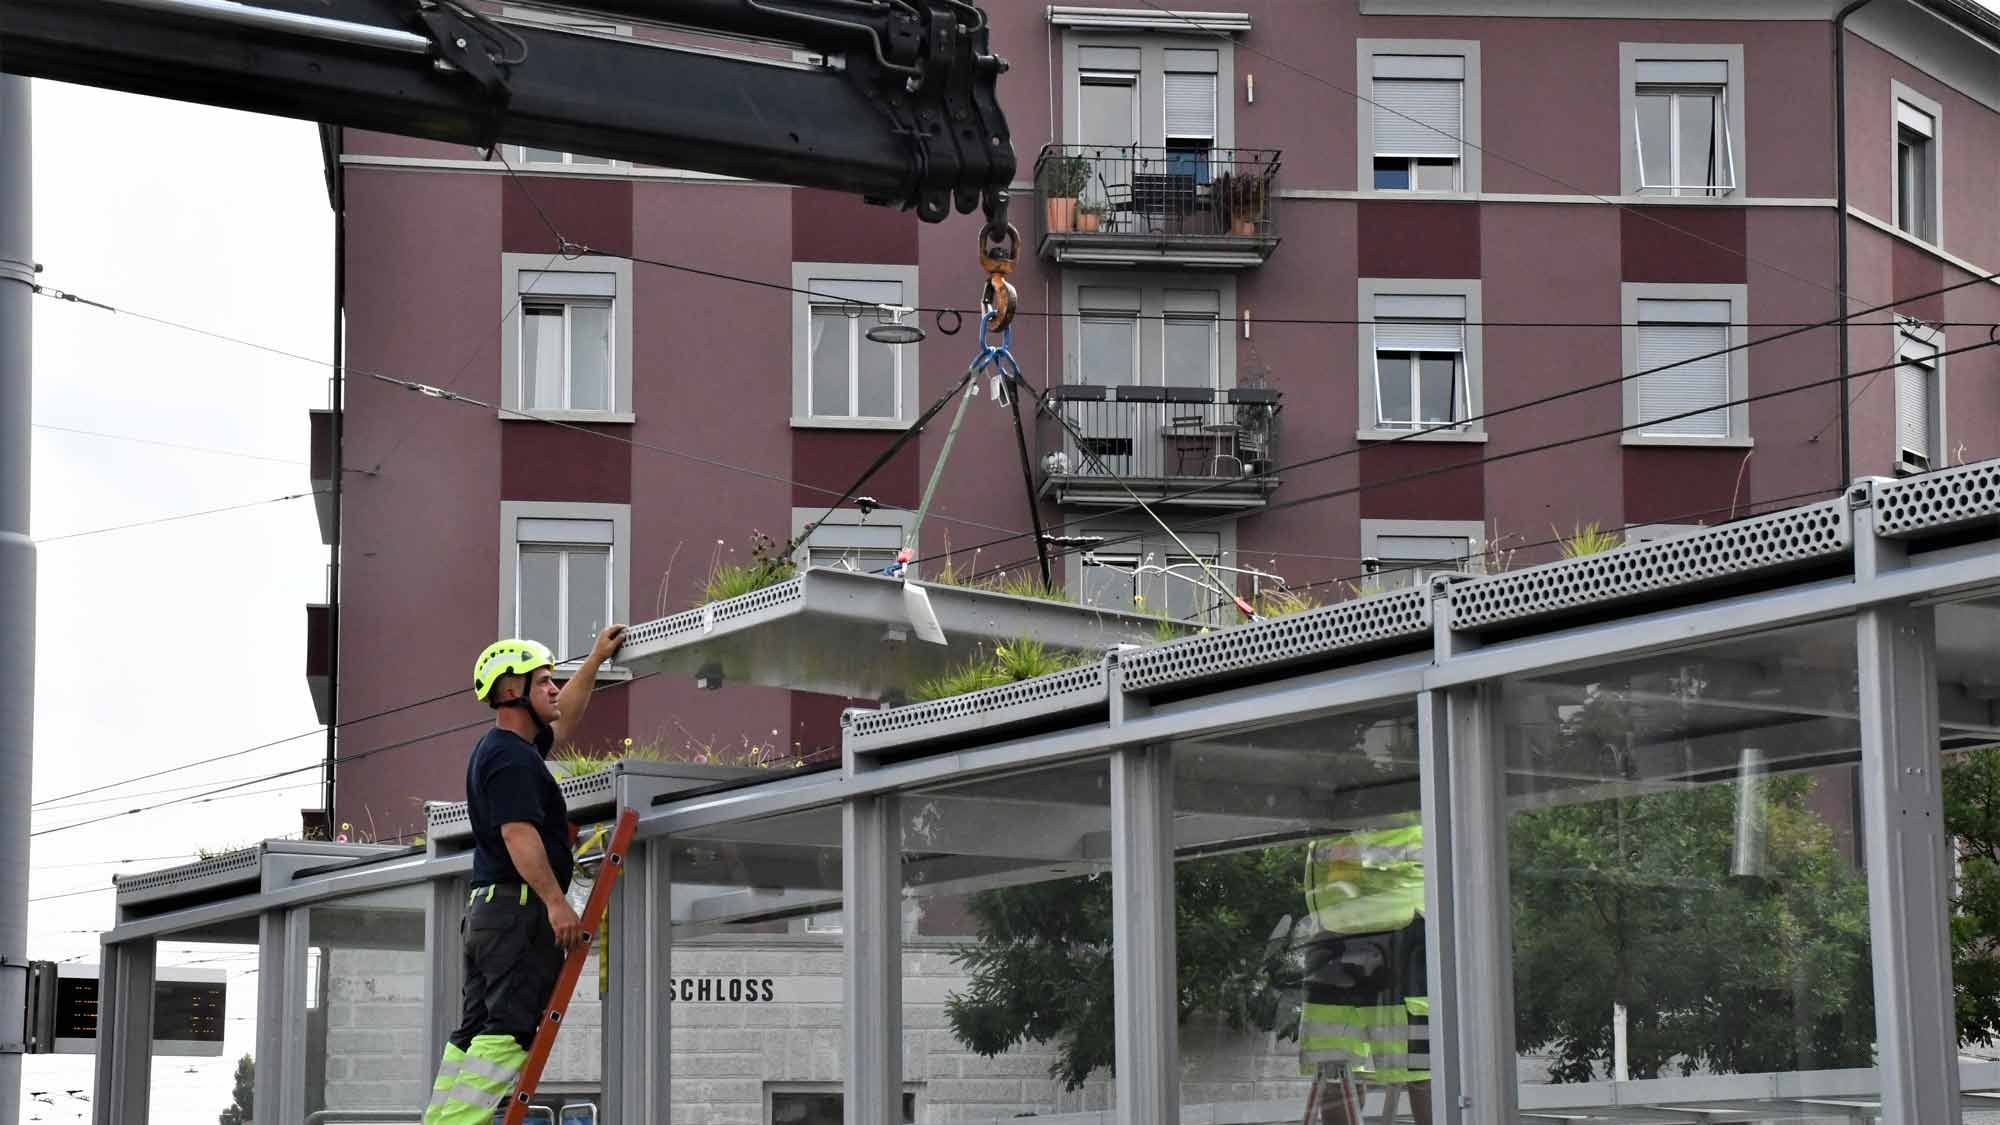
column 1351, row 292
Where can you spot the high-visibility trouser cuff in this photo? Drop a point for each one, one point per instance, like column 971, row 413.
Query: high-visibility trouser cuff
column 1397, row 1076
column 482, row 1079
column 1376, row 1036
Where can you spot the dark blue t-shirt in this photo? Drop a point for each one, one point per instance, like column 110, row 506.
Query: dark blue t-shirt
column 507, row 780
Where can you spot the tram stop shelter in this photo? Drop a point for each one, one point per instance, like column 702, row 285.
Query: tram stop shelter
column 1693, row 786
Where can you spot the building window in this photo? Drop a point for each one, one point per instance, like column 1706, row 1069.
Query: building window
column 1150, row 331
column 1147, row 90
column 1688, row 385
column 847, row 539
column 565, row 569
column 1419, row 116
column 801, row 1104
column 1681, row 116
column 521, row 155
column 1146, row 571
column 1419, row 362
column 1918, row 398
column 1919, row 141
column 840, row 376
column 1403, row 554
column 568, row 344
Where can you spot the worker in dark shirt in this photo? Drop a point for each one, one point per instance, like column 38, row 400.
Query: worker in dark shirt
column 518, row 922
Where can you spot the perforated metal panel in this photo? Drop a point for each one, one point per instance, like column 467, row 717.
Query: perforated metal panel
column 1079, row 689
column 1767, row 543
column 234, row 865
column 1353, row 624
column 583, row 795
column 697, row 621
column 1935, row 501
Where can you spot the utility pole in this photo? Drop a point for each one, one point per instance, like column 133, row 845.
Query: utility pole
column 17, row 577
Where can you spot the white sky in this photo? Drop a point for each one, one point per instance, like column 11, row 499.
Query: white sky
column 219, row 220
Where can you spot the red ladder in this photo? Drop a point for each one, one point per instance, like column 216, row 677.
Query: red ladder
column 552, row 1017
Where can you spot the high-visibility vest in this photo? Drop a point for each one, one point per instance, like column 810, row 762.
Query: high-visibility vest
column 1367, row 882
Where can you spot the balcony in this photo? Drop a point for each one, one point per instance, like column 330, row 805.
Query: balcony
column 1160, row 442
column 1213, row 208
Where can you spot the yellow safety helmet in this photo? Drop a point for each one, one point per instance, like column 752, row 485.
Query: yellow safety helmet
column 511, row 657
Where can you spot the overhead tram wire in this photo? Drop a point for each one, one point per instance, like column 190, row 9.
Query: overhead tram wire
column 529, row 415
column 176, row 518
column 1357, row 447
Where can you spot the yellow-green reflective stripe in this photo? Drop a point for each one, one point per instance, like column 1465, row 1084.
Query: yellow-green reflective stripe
column 489, row 894
column 502, row 1072
column 524, row 894
column 1418, row 1005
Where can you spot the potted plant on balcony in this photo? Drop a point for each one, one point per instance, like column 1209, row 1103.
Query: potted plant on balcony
column 1243, row 197
column 1089, row 217
column 1063, row 180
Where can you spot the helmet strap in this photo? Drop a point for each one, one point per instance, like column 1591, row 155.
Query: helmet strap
column 545, row 735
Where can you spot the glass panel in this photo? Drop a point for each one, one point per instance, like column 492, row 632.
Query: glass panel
column 1007, row 994
column 1968, row 634
column 875, row 389
column 542, row 156
column 538, row 593
column 1109, row 351
column 590, row 357
column 827, row 353
column 1392, row 388
column 367, row 1013
column 589, row 601
column 1392, row 174
column 1439, row 388
column 1700, row 145
column 1190, row 348
column 758, row 987
column 581, row 158
column 820, row 1107
column 1684, row 852
column 1655, row 112
column 1186, row 589
column 1108, row 112
column 1437, row 175
column 542, row 356
column 204, row 1035
column 1299, row 897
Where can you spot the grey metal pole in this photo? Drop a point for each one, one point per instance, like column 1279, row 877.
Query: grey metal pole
column 17, row 568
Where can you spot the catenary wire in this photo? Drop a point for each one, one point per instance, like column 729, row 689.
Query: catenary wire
column 1356, row 448
column 177, row 445
column 1460, row 466
column 176, row 518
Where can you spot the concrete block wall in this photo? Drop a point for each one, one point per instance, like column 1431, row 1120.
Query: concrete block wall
column 376, row 1015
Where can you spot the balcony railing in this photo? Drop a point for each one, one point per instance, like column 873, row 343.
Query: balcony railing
column 1160, row 441
column 1133, row 205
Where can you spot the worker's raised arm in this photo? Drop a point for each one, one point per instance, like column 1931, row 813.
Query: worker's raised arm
column 524, row 847
column 575, row 697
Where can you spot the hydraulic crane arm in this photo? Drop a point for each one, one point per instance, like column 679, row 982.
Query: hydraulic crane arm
column 902, row 110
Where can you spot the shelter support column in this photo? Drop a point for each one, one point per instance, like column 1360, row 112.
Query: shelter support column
column 1479, row 1008
column 1144, row 961
column 124, row 1033
column 274, row 1006
column 872, row 925
column 1434, row 760
column 638, row 998
column 1909, row 857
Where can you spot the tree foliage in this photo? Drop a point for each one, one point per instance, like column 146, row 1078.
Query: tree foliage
column 1628, row 900
column 238, row 1112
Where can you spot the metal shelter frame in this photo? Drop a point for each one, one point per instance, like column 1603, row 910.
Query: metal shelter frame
column 1882, row 557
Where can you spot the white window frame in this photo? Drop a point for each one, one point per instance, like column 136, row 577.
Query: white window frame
column 803, row 275
column 1902, row 96
column 1155, row 304
column 1738, row 335
column 1155, row 58
column 1469, row 179
column 1369, row 291
column 914, row 1090
column 1470, row 533
column 514, row 296
column 620, row 518
column 1914, row 334
column 1127, row 542
column 843, row 530
column 1630, row 58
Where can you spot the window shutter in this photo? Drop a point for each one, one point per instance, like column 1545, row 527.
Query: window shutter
column 1688, row 386
column 1190, row 102
column 1682, row 72
column 565, row 283
column 1419, row 336
column 839, row 290
column 1418, row 117
column 530, row 529
column 1913, row 399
